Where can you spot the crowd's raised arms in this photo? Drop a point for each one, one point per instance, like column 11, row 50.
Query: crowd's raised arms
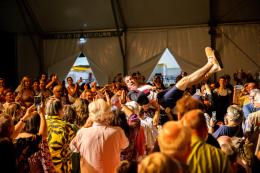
column 195, row 125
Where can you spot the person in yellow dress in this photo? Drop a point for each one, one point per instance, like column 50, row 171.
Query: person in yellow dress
column 60, row 133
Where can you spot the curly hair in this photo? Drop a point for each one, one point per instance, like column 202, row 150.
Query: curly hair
column 53, row 106
column 100, row 111
column 15, row 110
column 21, row 86
column 81, row 108
column 69, row 114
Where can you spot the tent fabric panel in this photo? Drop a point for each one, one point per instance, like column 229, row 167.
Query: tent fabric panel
column 59, row 55
column 62, row 67
column 143, row 50
column 239, row 47
column 104, row 57
column 187, row 46
column 28, row 62
column 103, row 54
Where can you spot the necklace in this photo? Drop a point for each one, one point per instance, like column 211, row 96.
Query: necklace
column 222, row 92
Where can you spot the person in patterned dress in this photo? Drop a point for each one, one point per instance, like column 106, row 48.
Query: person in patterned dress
column 60, row 133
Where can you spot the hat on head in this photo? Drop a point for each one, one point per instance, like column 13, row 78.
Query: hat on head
column 132, row 95
column 142, row 98
column 133, row 106
column 139, row 96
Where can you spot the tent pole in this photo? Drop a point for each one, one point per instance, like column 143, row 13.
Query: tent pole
column 212, row 28
column 117, row 16
column 21, row 6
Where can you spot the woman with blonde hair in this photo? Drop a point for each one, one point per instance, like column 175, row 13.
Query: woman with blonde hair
column 25, row 93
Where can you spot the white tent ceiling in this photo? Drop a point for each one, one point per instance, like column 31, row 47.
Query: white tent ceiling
column 77, row 15
column 149, row 27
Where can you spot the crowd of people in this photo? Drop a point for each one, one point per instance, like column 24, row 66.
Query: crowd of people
column 196, row 125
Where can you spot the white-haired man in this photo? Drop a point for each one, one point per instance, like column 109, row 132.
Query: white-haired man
column 99, row 145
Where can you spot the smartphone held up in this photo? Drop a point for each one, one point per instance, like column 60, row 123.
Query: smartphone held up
column 37, row 102
column 214, row 116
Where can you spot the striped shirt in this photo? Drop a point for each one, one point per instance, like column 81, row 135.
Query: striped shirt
column 60, row 134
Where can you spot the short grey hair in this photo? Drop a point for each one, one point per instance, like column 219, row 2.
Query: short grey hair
column 100, row 111
column 254, row 91
column 81, row 108
column 134, row 106
column 53, row 106
column 234, row 113
column 256, row 94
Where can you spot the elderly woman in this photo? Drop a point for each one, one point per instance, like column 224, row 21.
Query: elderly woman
column 233, row 120
column 60, row 133
column 81, row 108
column 70, row 116
column 15, row 110
column 99, row 145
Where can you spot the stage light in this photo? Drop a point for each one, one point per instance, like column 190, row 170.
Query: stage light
column 82, row 39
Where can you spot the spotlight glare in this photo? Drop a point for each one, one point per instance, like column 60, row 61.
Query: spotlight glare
column 82, row 40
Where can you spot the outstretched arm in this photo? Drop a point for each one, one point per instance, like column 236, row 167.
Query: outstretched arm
column 43, row 125
column 21, row 124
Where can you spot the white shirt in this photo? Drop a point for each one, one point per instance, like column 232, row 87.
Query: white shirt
column 150, row 131
column 99, row 147
column 152, row 95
